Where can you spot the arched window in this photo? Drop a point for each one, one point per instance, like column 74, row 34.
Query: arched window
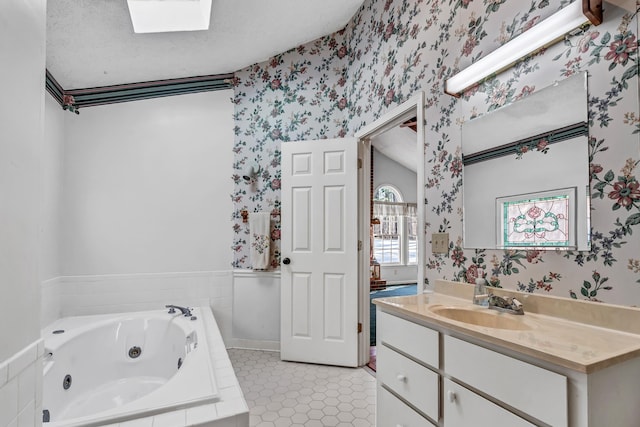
column 387, row 193
column 394, row 227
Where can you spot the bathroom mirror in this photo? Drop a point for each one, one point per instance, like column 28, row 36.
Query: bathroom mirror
column 526, row 172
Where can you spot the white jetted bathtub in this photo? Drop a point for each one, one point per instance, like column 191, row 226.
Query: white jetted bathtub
column 109, row 368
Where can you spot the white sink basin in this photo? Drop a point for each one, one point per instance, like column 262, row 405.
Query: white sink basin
column 486, row 318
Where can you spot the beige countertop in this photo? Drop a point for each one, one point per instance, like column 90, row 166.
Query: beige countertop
column 577, row 345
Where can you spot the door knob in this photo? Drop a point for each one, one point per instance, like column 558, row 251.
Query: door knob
column 286, row 261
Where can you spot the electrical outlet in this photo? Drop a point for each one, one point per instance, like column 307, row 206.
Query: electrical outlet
column 440, row 243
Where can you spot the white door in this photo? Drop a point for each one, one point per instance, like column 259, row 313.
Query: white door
column 319, row 291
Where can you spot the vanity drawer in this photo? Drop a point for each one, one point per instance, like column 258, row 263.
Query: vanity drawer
column 463, row 408
column 392, row 412
column 528, row 388
column 415, row 383
column 415, row 340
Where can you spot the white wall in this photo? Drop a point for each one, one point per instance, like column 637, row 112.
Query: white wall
column 52, row 169
column 387, row 171
column 22, row 55
column 21, row 84
column 50, row 234
column 147, row 186
column 145, row 207
column 22, row 26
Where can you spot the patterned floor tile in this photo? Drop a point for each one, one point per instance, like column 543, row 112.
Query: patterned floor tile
column 287, row 394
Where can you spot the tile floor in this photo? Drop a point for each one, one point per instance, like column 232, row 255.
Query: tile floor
column 297, row 394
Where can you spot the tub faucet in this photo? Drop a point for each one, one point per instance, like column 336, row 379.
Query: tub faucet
column 186, row 311
column 506, row 304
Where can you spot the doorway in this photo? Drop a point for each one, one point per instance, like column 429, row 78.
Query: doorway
column 392, row 240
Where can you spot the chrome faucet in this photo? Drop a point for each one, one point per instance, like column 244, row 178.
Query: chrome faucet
column 506, row 304
column 186, row 311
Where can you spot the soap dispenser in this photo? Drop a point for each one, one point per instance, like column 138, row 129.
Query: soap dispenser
column 480, row 295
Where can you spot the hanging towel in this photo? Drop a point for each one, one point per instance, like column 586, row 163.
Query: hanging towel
column 259, row 230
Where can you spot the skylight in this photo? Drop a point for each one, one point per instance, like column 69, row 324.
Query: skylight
column 159, row 16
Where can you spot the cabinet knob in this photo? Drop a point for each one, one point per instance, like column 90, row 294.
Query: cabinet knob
column 286, row 261
column 451, row 395
column 402, row 378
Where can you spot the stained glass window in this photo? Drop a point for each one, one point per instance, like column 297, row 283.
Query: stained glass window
column 537, row 220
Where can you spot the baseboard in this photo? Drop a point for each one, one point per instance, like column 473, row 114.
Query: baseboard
column 256, row 345
column 400, row 282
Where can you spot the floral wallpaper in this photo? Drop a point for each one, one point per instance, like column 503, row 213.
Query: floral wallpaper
column 299, row 95
column 393, row 48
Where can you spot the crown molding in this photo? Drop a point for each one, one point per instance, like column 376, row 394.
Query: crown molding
column 73, row 99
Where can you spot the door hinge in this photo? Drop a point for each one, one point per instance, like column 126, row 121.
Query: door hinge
column 359, row 163
column 359, row 327
column 359, row 245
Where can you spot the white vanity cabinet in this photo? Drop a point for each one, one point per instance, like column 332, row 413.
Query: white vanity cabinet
column 408, row 358
column 418, row 368
column 565, row 363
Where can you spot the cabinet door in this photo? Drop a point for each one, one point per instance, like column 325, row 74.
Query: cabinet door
column 392, row 412
column 464, row 408
column 531, row 389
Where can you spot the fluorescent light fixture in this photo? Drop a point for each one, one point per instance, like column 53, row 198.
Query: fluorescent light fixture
column 544, row 34
column 159, row 16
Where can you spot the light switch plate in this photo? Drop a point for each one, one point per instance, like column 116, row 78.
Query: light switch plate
column 440, row 243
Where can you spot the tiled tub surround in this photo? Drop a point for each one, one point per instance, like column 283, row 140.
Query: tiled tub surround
column 224, row 407
column 591, row 350
column 21, row 387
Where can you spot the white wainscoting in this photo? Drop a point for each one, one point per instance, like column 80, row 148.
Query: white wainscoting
column 114, row 293
column 21, row 387
column 256, row 309
column 246, row 303
column 399, row 274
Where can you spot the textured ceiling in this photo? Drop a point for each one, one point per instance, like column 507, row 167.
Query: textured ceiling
column 91, row 43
